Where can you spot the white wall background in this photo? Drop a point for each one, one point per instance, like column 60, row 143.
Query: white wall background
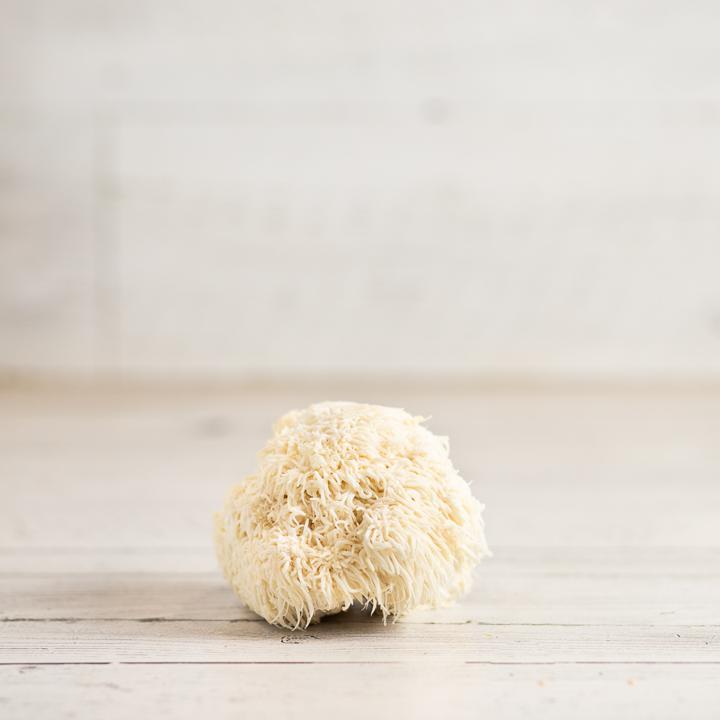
column 376, row 186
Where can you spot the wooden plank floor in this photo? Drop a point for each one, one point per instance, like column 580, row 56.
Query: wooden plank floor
column 603, row 596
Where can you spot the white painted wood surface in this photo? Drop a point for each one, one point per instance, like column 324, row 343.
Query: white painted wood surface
column 243, row 187
column 602, row 599
column 423, row 690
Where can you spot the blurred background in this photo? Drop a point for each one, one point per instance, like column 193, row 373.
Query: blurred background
column 233, row 190
column 501, row 215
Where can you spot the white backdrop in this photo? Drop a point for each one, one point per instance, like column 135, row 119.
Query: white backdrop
column 380, row 186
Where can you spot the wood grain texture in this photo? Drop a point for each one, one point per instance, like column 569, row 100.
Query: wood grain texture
column 608, row 587
column 423, row 690
column 565, row 469
column 342, row 640
column 602, row 598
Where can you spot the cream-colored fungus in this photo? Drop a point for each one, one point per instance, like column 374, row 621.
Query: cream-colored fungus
column 351, row 503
